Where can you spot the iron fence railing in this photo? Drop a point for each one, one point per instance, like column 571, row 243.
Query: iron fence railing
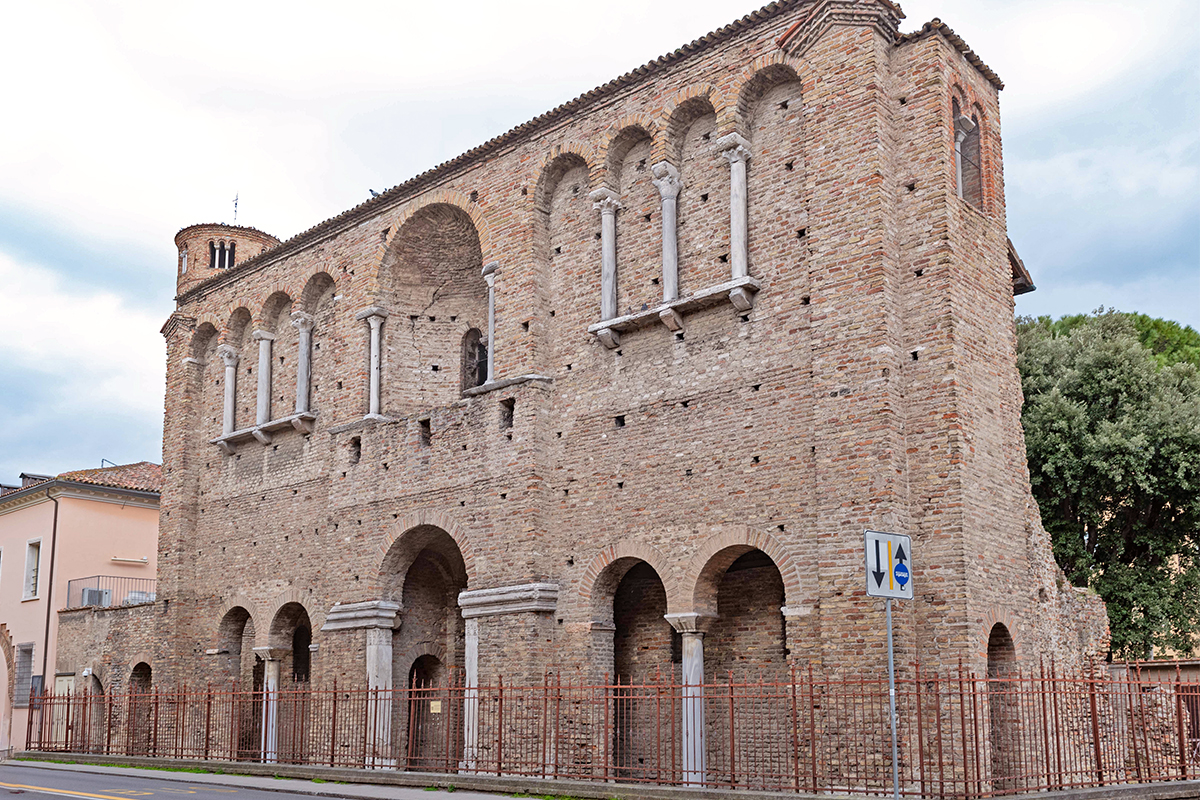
column 960, row 735
column 109, row 590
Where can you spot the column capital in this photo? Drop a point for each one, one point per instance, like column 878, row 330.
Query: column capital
column 528, row 597
column 666, row 178
column 302, row 320
column 263, row 336
column 489, row 273
column 367, row 614
column 372, row 312
column 229, row 355
column 691, row 623
column 605, row 200
column 271, row 653
column 734, row 147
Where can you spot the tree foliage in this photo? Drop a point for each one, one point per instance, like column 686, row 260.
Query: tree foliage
column 1112, row 429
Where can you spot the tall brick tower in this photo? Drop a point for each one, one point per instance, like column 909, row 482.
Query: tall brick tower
column 207, row 249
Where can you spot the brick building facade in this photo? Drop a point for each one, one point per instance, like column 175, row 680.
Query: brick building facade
column 618, row 391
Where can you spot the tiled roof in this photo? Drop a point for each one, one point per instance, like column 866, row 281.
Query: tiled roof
column 935, row 25
column 144, row 476
column 403, row 191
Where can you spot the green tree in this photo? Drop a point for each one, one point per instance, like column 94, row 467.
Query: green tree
column 1112, row 428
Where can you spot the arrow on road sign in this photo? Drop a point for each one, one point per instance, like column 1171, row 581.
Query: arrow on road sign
column 901, row 556
column 878, row 572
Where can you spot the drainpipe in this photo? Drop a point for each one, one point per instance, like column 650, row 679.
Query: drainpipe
column 49, row 591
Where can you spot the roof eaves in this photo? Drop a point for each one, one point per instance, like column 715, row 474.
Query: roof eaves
column 403, row 191
column 935, row 25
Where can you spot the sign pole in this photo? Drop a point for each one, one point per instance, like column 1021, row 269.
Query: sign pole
column 892, row 698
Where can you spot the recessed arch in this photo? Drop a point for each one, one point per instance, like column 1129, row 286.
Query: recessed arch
column 562, row 160
column 204, row 341
column 422, row 519
column 318, row 285
column 756, row 80
column 620, row 139
column 702, row 576
column 277, row 305
column 447, row 197
column 237, row 328
column 610, row 565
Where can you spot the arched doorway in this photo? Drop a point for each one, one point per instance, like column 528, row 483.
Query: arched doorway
column 431, row 740
column 424, row 572
column 645, row 655
column 241, row 669
column 1003, row 710
column 290, row 640
column 96, row 724
column 745, row 650
column 141, row 707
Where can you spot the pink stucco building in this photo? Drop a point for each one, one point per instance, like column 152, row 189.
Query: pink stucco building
column 85, row 538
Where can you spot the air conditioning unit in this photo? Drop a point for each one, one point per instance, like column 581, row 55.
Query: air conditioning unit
column 97, row 597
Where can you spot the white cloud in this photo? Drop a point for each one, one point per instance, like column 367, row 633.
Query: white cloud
column 1148, row 294
column 100, row 354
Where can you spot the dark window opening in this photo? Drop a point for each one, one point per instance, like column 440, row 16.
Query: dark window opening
column 221, row 264
column 507, row 409
column 232, row 250
column 474, row 359
column 425, row 432
column 212, row 255
column 355, row 449
column 301, row 654
column 967, row 158
column 619, row 420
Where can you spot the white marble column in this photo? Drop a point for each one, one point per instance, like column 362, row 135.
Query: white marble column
column 694, row 755
column 375, row 317
column 272, row 661
column 231, row 358
column 666, row 178
column 606, row 201
column 304, row 325
column 737, row 150
column 471, row 698
column 264, row 339
column 489, row 275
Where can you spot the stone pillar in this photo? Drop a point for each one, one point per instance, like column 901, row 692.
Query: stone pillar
column 264, row 339
column 605, row 200
column 666, row 178
column 489, row 275
column 304, row 325
column 523, row 599
column 692, row 628
column 375, row 317
column 471, row 698
column 231, row 358
column 380, row 618
column 272, row 660
column 737, row 150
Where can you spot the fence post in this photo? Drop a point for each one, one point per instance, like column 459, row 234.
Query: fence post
column 920, row 734
column 333, row 726
column 732, row 738
column 795, row 734
column 812, row 725
column 1183, row 770
column 607, row 730
column 108, row 728
column 500, row 725
column 1095, row 727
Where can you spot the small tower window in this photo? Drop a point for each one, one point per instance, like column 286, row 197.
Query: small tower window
column 232, row 245
column 212, row 255
column 221, row 264
column 474, row 360
column 967, row 168
column 183, row 260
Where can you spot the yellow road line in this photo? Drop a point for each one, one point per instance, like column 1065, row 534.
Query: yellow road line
column 60, row 791
column 891, row 572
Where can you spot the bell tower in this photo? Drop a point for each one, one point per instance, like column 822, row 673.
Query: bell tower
column 209, row 249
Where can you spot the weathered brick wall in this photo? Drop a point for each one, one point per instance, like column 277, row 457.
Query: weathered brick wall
column 873, row 385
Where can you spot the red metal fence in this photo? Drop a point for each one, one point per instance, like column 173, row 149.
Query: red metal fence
column 960, row 735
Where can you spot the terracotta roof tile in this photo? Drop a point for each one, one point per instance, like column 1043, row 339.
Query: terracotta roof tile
column 144, row 476
column 935, row 25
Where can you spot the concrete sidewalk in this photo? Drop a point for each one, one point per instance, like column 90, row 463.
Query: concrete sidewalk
column 358, row 784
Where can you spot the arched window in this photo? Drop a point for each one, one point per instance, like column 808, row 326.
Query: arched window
column 229, row 263
column 474, row 359
column 212, row 255
column 183, row 260
column 968, row 173
column 221, row 263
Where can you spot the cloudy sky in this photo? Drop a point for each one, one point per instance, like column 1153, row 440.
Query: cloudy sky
column 127, row 121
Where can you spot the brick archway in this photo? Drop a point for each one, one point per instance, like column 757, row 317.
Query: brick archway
column 625, row 550
column 431, row 519
column 723, row 546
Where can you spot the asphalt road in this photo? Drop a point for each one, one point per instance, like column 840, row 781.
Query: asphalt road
column 98, row 783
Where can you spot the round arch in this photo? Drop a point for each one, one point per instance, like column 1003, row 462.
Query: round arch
column 758, row 77
column 703, row 575
column 444, row 197
column 688, row 104
column 425, row 519
column 558, row 163
column 605, row 571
